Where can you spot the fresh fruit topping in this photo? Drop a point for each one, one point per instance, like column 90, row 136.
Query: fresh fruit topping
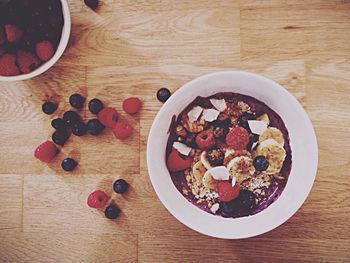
column 97, row 199
column 93, row 4
column 78, row 128
column 260, row 163
column 46, row 151
column 132, row 105
column 177, row 162
column 163, row 94
column 272, row 133
column 241, row 168
column 13, row 33
column 59, row 124
column 243, row 119
column 228, row 208
column 44, row 50
column 95, row 127
column 205, row 139
column 108, row 116
column 198, row 171
column 220, row 128
column 71, row 117
column 120, row 186
column 237, row 138
column 60, row 137
column 27, row 61
column 8, row 65
column 216, row 157
column 95, row 106
column 68, row 164
column 49, row 107
column 77, row 101
column 274, row 154
column 122, row 130
column 205, row 161
column 112, row 212
column 226, row 191
column 247, row 201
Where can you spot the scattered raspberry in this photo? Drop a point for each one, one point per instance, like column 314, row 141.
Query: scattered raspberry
column 132, row 105
column 122, row 130
column 46, row 151
column 13, row 33
column 44, row 50
column 237, row 138
column 108, row 116
column 176, row 162
column 226, row 191
column 8, row 65
column 97, row 199
column 205, row 139
column 27, row 61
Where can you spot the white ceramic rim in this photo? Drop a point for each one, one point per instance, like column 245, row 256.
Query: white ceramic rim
column 60, row 49
column 302, row 176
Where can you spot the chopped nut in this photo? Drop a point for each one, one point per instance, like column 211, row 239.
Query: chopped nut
column 215, row 207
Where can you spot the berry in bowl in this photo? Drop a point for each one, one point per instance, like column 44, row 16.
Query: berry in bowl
column 239, row 155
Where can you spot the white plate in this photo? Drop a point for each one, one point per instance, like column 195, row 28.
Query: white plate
column 303, row 144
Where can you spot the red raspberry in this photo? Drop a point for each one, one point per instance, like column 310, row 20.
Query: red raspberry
column 205, row 139
column 132, row 105
column 122, row 130
column 108, row 116
column 46, row 151
column 237, row 138
column 97, row 199
column 226, row 191
column 27, row 61
column 44, row 50
column 176, row 162
column 8, row 65
column 13, row 33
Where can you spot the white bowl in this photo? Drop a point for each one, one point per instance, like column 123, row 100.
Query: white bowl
column 60, row 49
column 303, row 144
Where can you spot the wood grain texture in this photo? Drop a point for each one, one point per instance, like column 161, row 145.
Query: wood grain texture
column 132, row 48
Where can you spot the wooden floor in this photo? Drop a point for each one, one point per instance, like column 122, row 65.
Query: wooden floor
column 134, row 48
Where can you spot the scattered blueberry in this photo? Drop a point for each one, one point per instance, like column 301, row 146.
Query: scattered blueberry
column 247, row 201
column 260, row 163
column 95, row 127
column 120, row 186
column 49, row 107
column 93, row 4
column 220, row 128
column 163, row 94
column 68, row 164
column 76, row 100
column 71, row 117
column 78, row 128
column 112, row 212
column 227, row 208
column 59, row 124
column 60, row 137
column 95, row 106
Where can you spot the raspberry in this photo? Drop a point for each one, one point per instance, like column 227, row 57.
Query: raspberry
column 132, row 105
column 226, row 191
column 27, row 61
column 13, row 33
column 177, row 162
column 8, row 65
column 97, row 199
column 205, row 139
column 237, row 138
column 44, row 50
column 108, row 116
column 122, row 130
column 46, row 151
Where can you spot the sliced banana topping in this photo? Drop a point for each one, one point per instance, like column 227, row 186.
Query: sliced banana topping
column 272, row 133
column 241, row 168
column 204, row 160
column 208, row 180
column 274, row 154
column 198, row 170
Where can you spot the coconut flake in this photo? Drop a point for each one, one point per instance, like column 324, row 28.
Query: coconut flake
column 219, row 173
column 254, row 145
column 194, row 114
column 220, row 105
column 233, row 182
column 210, row 114
column 182, row 148
column 257, row 127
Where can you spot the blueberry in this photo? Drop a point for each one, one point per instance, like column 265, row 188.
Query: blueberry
column 95, row 127
column 220, row 128
column 163, row 94
column 49, row 107
column 260, row 163
column 78, row 128
column 60, row 137
column 95, row 106
column 112, row 212
column 68, row 164
column 216, row 157
column 247, row 201
column 76, row 100
column 59, row 124
column 227, row 208
column 120, row 186
column 93, row 4
column 71, row 117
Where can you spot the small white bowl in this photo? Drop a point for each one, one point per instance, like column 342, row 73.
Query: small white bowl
column 303, row 144
column 60, row 49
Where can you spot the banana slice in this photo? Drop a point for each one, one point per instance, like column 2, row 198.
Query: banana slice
column 204, row 160
column 198, row 171
column 274, row 153
column 208, row 181
column 265, row 118
column 272, row 133
column 241, row 168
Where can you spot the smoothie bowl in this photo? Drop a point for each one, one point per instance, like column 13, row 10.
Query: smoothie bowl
column 232, row 155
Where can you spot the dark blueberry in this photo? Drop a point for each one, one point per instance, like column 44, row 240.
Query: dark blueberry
column 216, row 157
column 120, row 186
column 95, row 127
column 163, row 94
column 68, row 164
column 227, row 208
column 60, row 137
column 76, row 100
column 49, row 107
column 220, row 128
column 243, row 120
column 246, row 200
column 112, row 212
column 78, row 128
column 93, row 4
column 260, row 163
column 71, row 117
column 95, row 106
column 59, row 124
